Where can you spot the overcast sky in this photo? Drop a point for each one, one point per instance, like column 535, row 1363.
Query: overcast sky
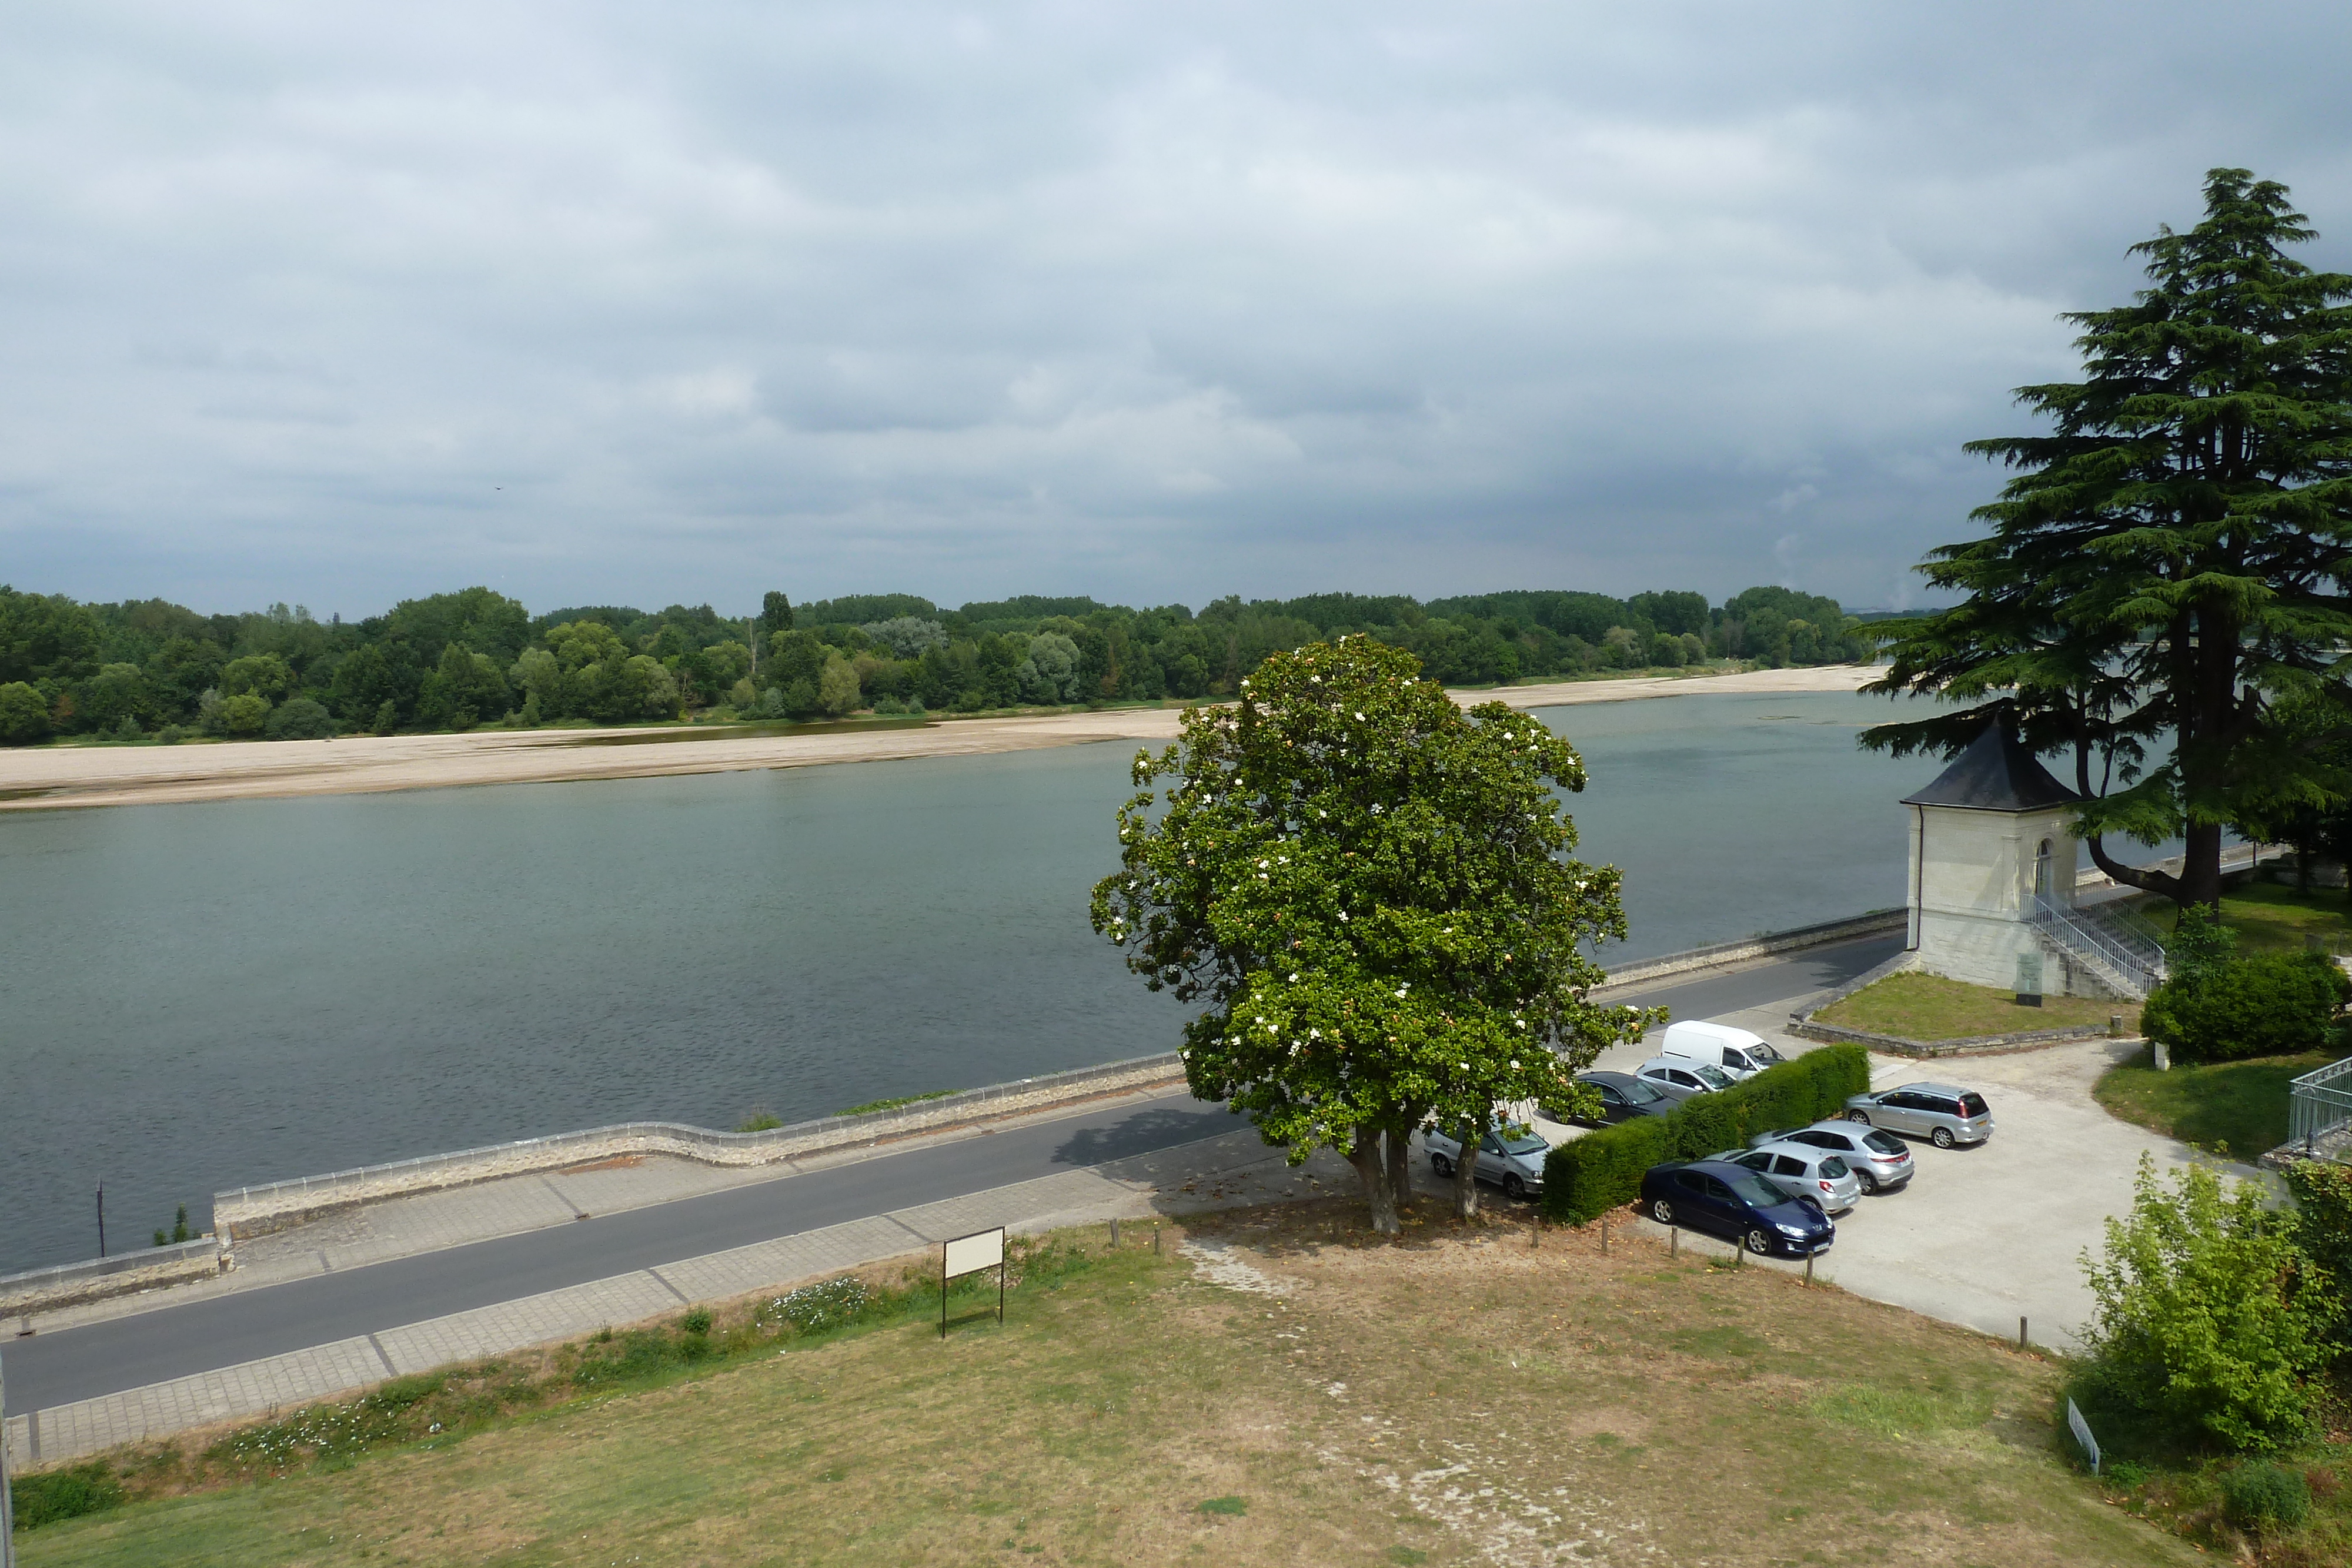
column 598, row 303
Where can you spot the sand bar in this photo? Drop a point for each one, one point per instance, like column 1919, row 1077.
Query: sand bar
column 48, row 777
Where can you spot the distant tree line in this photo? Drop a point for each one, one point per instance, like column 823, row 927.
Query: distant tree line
column 458, row 661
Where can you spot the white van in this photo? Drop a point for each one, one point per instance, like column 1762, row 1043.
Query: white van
column 1736, row 1052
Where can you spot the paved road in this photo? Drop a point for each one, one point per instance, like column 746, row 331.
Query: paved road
column 107, row 1357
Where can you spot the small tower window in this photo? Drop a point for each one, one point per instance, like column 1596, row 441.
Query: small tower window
column 2041, row 871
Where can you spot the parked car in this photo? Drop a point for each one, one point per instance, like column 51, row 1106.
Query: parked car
column 1514, row 1163
column 1734, row 1202
column 1622, row 1097
column 1802, row 1171
column 1878, row 1160
column 1735, row 1051
column 1937, row 1112
column 1678, row 1077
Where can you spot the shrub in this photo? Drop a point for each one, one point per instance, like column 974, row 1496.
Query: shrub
column 68, row 1493
column 24, row 716
column 2265, row 1493
column 2269, row 1005
column 300, row 719
column 1601, row 1170
column 2322, row 1229
column 241, row 713
column 697, row 1321
column 2209, row 1318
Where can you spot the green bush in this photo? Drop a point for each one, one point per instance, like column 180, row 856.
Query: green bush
column 2208, row 1319
column 2322, row 1229
column 2270, row 1005
column 300, row 719
column 2265, row 1493
column 1592, row 1174
column 68, row 1493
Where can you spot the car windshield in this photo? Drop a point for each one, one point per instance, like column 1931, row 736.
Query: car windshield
column 1885, row 1142
column 1531, row 1144
column 1639, row 1092
column 1753, row 1190
column 1713, row 1077
column 1765, row 1053
column 1833, row 1168
column 1974, row 1106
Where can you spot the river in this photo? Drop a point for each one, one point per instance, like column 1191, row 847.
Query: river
column 200, row 995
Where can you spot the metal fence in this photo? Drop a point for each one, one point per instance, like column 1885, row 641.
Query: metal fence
column 2319, row 1103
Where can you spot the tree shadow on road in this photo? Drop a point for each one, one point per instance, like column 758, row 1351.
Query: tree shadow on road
column 1145, row 1132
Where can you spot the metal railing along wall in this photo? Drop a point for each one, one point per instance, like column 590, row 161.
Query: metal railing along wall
column 2319, row 1103
column 726, row 1148
column 2138, row 963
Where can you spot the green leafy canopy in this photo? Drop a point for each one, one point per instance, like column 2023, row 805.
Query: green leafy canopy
column 1369, row 889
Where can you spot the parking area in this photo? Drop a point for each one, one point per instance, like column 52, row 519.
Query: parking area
column 1985, row 1235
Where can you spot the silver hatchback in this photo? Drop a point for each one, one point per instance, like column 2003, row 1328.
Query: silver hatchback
column 1817, row 1175
column 1938, row 1112
column 1678, row 1077
column 1878, row 1160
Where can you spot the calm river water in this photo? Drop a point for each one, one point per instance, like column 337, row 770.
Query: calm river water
column 197, row 997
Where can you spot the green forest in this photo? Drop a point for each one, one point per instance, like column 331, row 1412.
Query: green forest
column 149, row 671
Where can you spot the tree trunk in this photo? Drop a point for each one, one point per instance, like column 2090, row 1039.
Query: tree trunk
column 1465, row 1177
column 2200, row 868
column 1371, row 1164
column 1399, row 1153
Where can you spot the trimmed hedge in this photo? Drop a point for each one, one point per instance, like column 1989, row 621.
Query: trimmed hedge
column 1589, row 1175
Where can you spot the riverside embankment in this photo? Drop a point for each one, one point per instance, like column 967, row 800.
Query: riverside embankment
column 49, row 777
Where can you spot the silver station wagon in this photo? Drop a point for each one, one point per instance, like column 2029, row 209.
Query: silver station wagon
column 1938, row 1112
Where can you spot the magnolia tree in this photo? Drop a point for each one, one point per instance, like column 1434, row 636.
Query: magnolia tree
column 1371, row 891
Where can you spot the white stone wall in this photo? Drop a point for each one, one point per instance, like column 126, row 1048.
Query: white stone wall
column 1972, row 880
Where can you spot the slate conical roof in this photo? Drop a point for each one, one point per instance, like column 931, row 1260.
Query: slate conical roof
column 1996, row 773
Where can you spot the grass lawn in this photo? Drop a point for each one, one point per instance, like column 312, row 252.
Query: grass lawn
column 2237, row 1107
column 2270, row 918
column 1306, row 1399
column 1928, row 1007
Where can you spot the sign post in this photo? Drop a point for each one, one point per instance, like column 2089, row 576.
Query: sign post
column 969, row 1255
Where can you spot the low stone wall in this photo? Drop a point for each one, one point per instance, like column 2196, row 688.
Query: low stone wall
column 1766, row 945
column 125, row 1273
column 250, row 1211
column 1802, row 1025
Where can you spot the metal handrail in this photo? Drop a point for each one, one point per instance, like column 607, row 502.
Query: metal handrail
column 2115, row 948
column 2317, row 1106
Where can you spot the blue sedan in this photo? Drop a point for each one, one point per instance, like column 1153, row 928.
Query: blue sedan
column 1735, row 1203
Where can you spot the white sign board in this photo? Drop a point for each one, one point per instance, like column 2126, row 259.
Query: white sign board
column 2082, row 1430
column 965, row 1254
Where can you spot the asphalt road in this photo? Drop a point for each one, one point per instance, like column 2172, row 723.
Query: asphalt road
column 100, row 1358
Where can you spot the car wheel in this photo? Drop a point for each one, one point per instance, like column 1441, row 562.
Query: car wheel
column 1861, row 1116
column 1759, row 1244
column 1513, row 1188
column 1941, row 1137
column 1661, row 1211
column 1441, row 1165
column 1869, row 1184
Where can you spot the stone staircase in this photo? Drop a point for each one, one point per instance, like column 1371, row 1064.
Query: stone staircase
column 2126, row 960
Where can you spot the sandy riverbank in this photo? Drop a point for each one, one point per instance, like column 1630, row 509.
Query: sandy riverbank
column 51, row 776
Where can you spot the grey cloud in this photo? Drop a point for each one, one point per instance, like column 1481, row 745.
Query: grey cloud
column 608, row 303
